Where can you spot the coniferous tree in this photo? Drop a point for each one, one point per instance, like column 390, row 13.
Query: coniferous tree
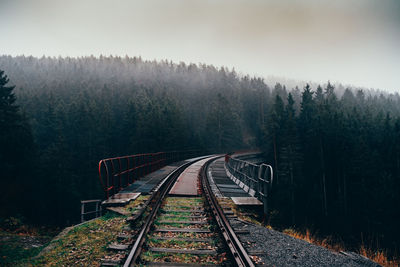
column 16, row 153
column 334, row 156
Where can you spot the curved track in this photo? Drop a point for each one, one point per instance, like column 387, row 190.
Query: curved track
column 236, row 248
column 202, row 216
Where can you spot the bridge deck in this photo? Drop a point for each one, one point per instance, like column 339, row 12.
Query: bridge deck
column 145, row 184
column 187, row 183
column 228, row 188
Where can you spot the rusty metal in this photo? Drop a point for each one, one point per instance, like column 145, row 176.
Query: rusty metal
column 119, row 172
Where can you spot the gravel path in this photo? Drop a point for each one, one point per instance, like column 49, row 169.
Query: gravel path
column 277, row 249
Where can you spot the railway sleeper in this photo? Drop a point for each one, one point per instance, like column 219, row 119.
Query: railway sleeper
column 183, row 210
column 117, row 247
column 188, row 216
column 177, row 264
column 184, row 239
column 125, row 236
column 182, row 222
column 183, row 230
column 184, row 251
column 180, row 232
column 182, row 259
column 105, row 262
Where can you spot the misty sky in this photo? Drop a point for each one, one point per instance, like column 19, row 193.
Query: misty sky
column 349, row 41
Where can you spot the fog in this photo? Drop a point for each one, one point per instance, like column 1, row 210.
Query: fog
column 352, row 42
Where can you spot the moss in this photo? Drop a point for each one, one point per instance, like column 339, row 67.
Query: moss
column 182, row 244
column 133, row 205
column 182, row 258
column 177, row 213
column 14, row 250
column 186, row 235
column 85, row 244
column 167, row 217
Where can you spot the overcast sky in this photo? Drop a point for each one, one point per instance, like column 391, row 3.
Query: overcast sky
column 351, row 41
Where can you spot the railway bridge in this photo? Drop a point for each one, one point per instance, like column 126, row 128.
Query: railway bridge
column 185, row 209
column 189, row 207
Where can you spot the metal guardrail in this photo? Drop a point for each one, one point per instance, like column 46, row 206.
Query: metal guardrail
column 255, row 179
column 97, row 211
column 238, row 252
column 120, row 172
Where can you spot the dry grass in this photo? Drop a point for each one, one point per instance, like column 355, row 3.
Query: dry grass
column 329, row 242
column 379, row 257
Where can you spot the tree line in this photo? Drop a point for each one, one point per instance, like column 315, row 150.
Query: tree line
column 85, row 109
column 337, row 163
column 335, row 151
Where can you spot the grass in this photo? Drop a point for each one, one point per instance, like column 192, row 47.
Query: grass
column 84, row 245
column 240, row 212
column 176, row 207
column 186, row 199
column 166, row 217
column 379, row 257
column 133, row 205
column 171, row 224
column 14, row 252
column 327, row 242
column 182, row 258
column 20, row 242
column 167, row 214
column 185, row 235
column 176, row 213
column 182, row 225
column 183, row 202
column 181, row 244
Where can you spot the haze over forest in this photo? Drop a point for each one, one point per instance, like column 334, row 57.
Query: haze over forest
column 352, row 42
column 335, row 155
column 292, row 79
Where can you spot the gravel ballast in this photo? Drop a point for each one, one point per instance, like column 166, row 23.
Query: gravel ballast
column 278, row 249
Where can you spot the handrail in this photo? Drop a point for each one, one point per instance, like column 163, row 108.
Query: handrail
column 117, row 173
column 238, row 252
column 255, row 179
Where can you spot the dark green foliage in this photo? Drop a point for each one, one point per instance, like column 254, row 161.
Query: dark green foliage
column 223, row 126
column 86, row 109
column 337, row 164
column 336, row 155
column 16, row 153
column 15, row 252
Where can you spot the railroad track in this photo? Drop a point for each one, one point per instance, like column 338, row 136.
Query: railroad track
column 184, row 230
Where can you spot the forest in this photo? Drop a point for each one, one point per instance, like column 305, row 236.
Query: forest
column 335, row 150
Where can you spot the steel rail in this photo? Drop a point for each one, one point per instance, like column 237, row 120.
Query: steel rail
column 238, row 253
column 236, row 248
column 118, row 172
column 157, row 199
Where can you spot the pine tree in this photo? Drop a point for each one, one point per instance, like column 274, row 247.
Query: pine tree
column 293, row 153
column 9, row 115
column 16, row 153
column 277, row 123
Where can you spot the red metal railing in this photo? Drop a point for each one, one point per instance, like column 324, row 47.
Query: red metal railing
column 120, row 172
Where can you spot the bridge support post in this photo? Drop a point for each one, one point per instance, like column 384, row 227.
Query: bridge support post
column 97, row 212
column 265, row 178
